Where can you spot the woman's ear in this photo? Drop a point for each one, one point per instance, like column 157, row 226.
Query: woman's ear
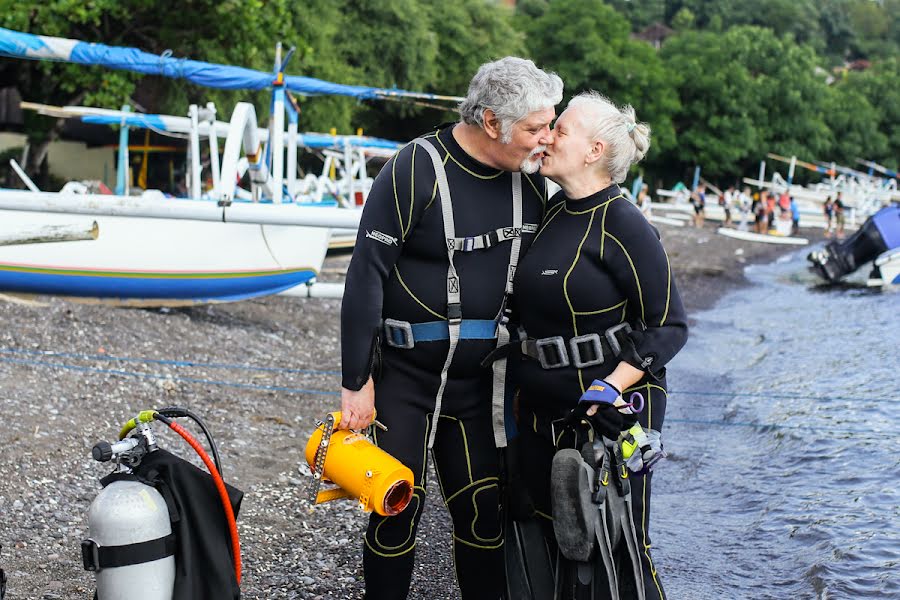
column 595, row 152
column 491, row 124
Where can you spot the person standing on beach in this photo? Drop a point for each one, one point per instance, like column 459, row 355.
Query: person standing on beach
column 643, row 201
column 599, row 304
column 771, row 203
column 828, row 210
column 744, row 205
column 428, row 275
column 728, row 203
column 698, row 199
column 795, row 217
column 840, row 218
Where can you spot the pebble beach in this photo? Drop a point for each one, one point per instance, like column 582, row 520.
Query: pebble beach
column 261, row 373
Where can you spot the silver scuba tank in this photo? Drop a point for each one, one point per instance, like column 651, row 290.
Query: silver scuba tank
column 130, row 512
column 131, row 546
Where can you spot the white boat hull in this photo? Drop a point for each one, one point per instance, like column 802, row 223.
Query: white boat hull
column 749, row 236
column 162, row 261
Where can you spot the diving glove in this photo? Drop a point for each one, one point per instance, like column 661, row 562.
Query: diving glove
column 608, row 421
column 642, row 449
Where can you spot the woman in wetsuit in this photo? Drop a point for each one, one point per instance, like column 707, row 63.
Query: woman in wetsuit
column 595, row 265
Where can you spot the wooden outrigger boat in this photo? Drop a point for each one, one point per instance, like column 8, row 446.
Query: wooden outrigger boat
column 226, row 244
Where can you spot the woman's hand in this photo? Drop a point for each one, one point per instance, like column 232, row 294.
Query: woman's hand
column 357, row 408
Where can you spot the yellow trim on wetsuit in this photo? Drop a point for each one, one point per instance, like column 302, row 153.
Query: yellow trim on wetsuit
column 396, row 199
column 461, row 166
column 468, row 486
column 644, row 502
column 412, row 523
column 637, row 280
column 602, row 310
column 414, row 297
column 549, row 217
column 412, row 192
column 540, row 196
column 566, row 284
column 587, row 210
column 435, row 187
column 668, row 288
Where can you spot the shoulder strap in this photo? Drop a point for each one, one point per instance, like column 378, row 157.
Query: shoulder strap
column 454, row 308
column 498, row 386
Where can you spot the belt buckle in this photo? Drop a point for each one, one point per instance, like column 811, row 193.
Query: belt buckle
column 404, row 328
column 575, row 347
column 90, row 555
column 613, row 340
column 552, row 342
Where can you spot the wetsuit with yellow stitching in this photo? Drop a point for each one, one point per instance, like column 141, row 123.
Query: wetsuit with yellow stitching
column 399, row 271
column 596, row 262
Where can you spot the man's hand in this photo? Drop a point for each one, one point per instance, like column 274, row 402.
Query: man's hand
column 357, row 408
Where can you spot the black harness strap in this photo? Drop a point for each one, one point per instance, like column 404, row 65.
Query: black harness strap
column 97, row 558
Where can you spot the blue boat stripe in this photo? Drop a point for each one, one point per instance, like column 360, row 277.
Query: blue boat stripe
column 470, row 329
column 199, row 289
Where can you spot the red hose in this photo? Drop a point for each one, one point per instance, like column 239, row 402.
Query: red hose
column 223, row 494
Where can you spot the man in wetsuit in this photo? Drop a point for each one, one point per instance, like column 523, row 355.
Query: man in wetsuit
column 424, row 293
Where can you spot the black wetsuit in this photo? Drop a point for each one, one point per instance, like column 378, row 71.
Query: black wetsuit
column 399, row 271
column 596, row 263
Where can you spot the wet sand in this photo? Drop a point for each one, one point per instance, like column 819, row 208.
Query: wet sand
column 260, row 372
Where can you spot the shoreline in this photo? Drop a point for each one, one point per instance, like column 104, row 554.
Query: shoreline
column 260, row 372
column 708, row 265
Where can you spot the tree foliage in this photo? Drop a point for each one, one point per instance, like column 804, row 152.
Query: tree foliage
column 588, row 44
column 743, row 93
column 737, row 80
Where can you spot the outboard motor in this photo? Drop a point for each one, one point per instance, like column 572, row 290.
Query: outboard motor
column 156, row 508
column 880, row 233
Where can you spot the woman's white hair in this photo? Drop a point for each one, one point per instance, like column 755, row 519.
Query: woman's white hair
column 627, row 141
column 512, row 88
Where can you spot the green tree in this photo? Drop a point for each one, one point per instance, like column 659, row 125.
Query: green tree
column 459, row 37
column 588, row 43
column 230, row 31
column 880, row 87
column 853, row 123
column 744, row 93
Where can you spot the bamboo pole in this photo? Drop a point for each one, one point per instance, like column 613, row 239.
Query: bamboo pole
column 51, row 233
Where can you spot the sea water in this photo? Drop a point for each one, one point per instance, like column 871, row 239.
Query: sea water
column 783, row 428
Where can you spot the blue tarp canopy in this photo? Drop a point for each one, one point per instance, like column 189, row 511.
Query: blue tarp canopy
column 39, row 47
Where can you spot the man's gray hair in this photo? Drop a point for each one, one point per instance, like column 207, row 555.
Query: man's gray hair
column 627, row 140
column 512, row 88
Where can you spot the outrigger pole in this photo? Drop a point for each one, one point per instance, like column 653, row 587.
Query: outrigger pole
column 196, row 210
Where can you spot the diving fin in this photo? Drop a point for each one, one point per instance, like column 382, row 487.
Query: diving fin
column 529, row 568
column 527, row 558
column 621, row 519
column 578, row 493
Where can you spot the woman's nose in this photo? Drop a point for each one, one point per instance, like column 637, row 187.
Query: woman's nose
column 548, row 138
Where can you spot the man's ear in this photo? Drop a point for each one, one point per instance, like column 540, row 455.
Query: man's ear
column 491, row 124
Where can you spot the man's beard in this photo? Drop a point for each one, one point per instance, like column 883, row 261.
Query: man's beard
column 531, row 166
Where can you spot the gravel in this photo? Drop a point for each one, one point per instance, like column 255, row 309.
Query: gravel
column 260, row 372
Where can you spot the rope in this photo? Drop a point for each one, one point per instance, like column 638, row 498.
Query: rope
column 293, row 390
column 134, row 374
column 778, row 426
column 168, row 362
column 782, row 396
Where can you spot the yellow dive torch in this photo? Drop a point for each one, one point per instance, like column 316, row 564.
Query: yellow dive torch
column 359, row 468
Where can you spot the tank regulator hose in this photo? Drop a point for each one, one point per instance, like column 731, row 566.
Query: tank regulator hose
column 177, row 411
column 220, row 486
